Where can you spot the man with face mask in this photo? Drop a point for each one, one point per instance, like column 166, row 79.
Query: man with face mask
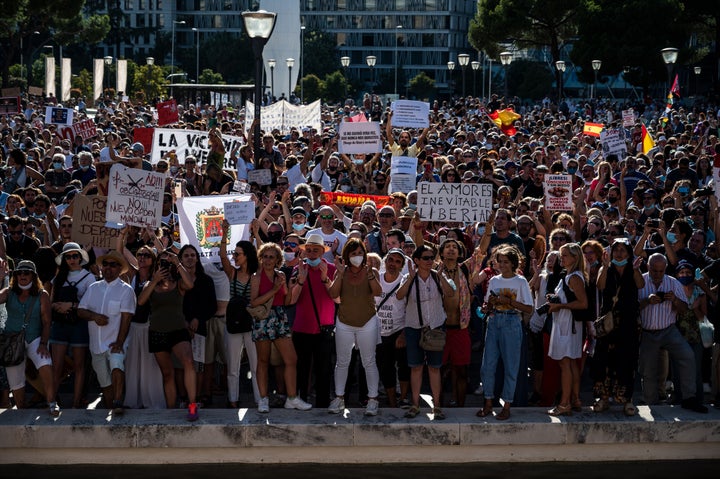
column 57, row 178
column 650, row 208
column 85, row 171
column 674, row 246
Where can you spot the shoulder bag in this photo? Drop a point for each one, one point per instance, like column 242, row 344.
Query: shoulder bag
column 12, row 345
column 238, row 319
column 606, row 323
column 327, row 331
column 430, row 339
column 262, row 311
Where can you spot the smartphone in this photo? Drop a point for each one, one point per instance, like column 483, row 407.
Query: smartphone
column 212, row 122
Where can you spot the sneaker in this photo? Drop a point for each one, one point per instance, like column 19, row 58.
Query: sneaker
column 479, row 391
column 297, row 403
column 372, row 407
column 192, row 414
column 264, row 405
column 118, row 409
column 337, row 406
column 404, row 404
column 54, row 409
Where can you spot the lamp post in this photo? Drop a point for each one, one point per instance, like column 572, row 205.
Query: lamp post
column 475, row 66
column 560, row 65
column 197, row 55
column 302, row 64
column 669, row 56
column 149, row 61
column 172, row 48
column 397, row 30
column 697, row 71
column 626, row 70
column 345, row 62
column 506, row 60
column 108, row 61
column 596, row 64
column 271, row 64
column 259, row 26
column 451, row 67
column 371, row 60
column 290, row 62
column 463, row 59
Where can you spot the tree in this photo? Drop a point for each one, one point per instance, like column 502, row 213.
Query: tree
column 150, row 79
column 335, row 87
column 422, row 86
column 320, row 53
column 528, row 79
column 313, row 88
column 209, row 77
column 83, row 82
column 230, row 55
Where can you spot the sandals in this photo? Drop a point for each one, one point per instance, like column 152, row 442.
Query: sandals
column 485, row 411
column 629, row 409
column 412, row 412
column 561, row 410
column 503, row 414
column 438, row 415
column 601, row 405
column 577, row 406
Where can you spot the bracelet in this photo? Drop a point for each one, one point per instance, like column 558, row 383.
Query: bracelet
column 299, row 283
column 371, row 278
column 325, row 281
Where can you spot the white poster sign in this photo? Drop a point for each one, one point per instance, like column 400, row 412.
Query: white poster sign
column 558, row 192
column 282, row 115
column 262, row 176
column 360, row 137
column 135, row 197
column 410, row 113
column 59, row 116
column 628, row 117
column 189, row 142
column 239, row 212
column 716, row 179
column 402, row 183
column 455, row 202
column 403, row 165
column 201, row 224
column 613, row 143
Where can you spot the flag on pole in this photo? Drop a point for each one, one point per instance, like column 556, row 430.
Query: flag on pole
column 647, row 141
column 675, row 88
column 593, row 129
column 359, row 118
column 505, row 119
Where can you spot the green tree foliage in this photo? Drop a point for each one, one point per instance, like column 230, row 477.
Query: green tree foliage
column 150, row 79
column 228, row 54
column 83, row 82
column 320, row 54
column 422, row 86
column 528, row 79
column 335, row 86
column 211, row 78
column 313, row 88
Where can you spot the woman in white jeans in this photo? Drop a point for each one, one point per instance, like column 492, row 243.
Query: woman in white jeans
column 246, row 264
column 356, row 284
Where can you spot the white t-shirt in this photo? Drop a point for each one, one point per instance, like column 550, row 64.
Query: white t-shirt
column 392, row 313
column 329, row 239
column 516, row 287
column 319, row 176
column 105, row 155
column 295, row 176
column 243, row 168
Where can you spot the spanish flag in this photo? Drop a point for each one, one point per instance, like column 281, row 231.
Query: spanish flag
column 647, row 141
column 593, row 129
column 505, row 119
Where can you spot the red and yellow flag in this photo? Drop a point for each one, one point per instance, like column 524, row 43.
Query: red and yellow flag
column 505, row 119
column 647, row 141
column 593, row 129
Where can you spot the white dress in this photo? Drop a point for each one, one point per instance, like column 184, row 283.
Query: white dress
column 563, row 342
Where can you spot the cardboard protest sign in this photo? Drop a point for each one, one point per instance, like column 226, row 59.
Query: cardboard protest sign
column 135, row 197
column 613, row 143
column 262, row 176
column 89, row 223
column 403, row 165
column 167, row 112
column 9, row 105
column 628, row 117
column 201, row 219
column 455, row 202
column 358, row 138
column 351, row 199
column 59, row 116
column 239, row 212
column 558, row 192
column 410, row 113
column 189, row 142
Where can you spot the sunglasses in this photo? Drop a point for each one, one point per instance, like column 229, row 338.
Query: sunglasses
column 143, row 255
column 427, row 258
column 72, row 256
column 559, row 238
column 283, row 184
column 235, row 254
column 23, row 273
column 290, row 244
column 385, row 215
column 16, row 232
column 327, row 217
column 110, row 264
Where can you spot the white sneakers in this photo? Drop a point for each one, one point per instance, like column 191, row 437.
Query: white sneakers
column 297, row 403
column 264, row 405
column 372, row 407
column 337, row 405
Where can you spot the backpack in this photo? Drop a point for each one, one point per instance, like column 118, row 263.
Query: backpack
column 580, row 315
column 67, row 293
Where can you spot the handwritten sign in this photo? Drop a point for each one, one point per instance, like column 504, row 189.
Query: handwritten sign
column 455, row 202
column 89, row 223
column 262, row 176
column 360, row 137
column 409, row 113
column 558, row 192
column 401, row 183
column 135, row 196
column 613, row 143
column 190, row 142
column 628, row 117
column 403, row 165
column 239, row 212
column 85, row 129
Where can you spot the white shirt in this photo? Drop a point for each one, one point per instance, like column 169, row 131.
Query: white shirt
column 243, row 168
column 329, row 239
column 111, row 299
column 392, row 313
column 517, row 288
column 319, row 176
column 431, row 304
column 295, row 176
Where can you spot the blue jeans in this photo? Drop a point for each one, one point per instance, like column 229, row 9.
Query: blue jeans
column 503, row 339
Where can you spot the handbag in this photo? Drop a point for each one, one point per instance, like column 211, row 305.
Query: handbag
column 12, row 345
column 262, row 311
column 328, row 331
column 606, row 323
column 430, row 339
column 238, row 318
column 707, row 330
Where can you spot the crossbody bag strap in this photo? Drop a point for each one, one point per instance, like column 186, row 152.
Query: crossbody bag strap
column 417, row 301
column 29, row 311
column 379, row 306
column 312, row 299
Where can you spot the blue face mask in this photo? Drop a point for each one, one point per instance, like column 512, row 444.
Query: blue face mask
column 313, row 262
column 671, row 237
column 57, row 166
column 572, row 171
column 619, row 263
column 84, row 167
column 177, row 245
column 686, row 280
column 298, row 227
column 683, row 190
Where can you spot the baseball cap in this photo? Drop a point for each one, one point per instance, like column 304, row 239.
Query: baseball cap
column 138, row 148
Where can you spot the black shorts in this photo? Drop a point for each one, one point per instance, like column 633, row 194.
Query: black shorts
column 160, row 342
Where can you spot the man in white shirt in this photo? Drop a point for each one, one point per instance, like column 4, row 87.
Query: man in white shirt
column 332, row 238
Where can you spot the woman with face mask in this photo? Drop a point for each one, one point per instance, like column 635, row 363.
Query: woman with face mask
column 688, row 322
column 616, row 355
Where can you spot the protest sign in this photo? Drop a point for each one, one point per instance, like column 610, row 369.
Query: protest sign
column 402, row 183
column 403, row 165
column 351, row 199
column 281, row 115
column 558, row 192
column 167, row 112
column 35, row 91
column 89, row 223
column 410, row 113
column 239, row 212
column 12, row 91
column 189, row 142
column 613, row 143
column 455, row 202
column 9, row 105
column 357, row 138
column 144, row 136
column 262, row 176
column 200, row 219
column 628, row 117
column 85, row 129
column 59, row 116
column 135, row 197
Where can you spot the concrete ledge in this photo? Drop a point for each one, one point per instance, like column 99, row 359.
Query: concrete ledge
column 244, row 436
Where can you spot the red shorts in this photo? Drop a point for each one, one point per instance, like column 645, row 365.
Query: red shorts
column 457, row 347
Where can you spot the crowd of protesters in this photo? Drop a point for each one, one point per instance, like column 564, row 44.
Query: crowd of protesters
column 342, row 286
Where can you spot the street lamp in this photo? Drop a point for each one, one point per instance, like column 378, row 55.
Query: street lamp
column 475, row 66
column 451, row 67
column 697, row 71
column 108, row 61
column 172, row 49
column 370, row 60
column 463, row 59
column 397, row 29
column 596, row 64
column 259, row 26
column 506, row 59
column 149, row 61
column 669, row 56
column 626, row 70
column 197, row 55
column 290, row 62
column 302, row 63
column 345, row 62
column 271, row 64
column 560, row 65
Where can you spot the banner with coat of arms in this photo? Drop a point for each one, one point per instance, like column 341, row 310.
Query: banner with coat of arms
column 201, row 220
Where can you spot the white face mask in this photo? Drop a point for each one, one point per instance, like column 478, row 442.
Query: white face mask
column 356, row 260
column 25, row 287
column 289, row 255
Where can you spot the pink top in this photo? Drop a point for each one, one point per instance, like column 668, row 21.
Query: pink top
column 305, row 319
column 266, row 284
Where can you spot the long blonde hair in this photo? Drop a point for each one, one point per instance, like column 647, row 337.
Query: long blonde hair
column 576, row 251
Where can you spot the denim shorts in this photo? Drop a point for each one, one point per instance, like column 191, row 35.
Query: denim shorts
column 74, row 335
column 417, row 356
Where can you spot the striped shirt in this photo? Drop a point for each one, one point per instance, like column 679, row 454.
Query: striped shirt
column 659, row 316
